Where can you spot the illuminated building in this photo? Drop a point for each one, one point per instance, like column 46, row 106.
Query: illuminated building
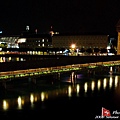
column 51, row 32
column 80, row 41
column 118, row 42
column 11, row 41
column 35, row 41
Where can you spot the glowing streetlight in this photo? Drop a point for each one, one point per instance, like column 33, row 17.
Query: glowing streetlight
column 73, row 46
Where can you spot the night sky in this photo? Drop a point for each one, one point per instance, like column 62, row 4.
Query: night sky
column 78, row 16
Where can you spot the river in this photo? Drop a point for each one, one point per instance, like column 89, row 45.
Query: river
column 69, row 97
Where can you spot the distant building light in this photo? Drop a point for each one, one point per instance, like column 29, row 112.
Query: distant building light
column 73, row 46
column 0, row 32
column 42, row 40
column 36, row 31
column 52, row 33
column 21, row 40
column 27, row 28
column 111, row 54
column 43, row 45
column 108, row 47
column 56, row 33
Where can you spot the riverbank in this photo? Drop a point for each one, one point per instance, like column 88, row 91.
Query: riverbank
column 55, row 61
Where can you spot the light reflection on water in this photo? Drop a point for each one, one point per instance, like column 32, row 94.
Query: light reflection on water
column 76, row 89
column 9, row 59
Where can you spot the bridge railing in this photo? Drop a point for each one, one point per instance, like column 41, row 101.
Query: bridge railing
column 56, row 69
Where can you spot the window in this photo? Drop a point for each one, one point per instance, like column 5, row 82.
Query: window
column 42, row 40
column 43, row 45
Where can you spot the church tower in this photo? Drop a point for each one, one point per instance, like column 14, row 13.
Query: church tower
column 118, row 40
column 51, row 31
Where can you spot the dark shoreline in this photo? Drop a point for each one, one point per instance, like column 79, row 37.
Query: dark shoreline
column 53, row 61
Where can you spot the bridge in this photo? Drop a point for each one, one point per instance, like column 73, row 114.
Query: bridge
column 8, row 75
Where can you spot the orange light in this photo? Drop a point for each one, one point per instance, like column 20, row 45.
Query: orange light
column 73, row 46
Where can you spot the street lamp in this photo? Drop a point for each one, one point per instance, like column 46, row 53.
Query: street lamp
column 73, row 46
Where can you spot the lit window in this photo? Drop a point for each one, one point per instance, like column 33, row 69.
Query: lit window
column 21, row 40
column 42, row 40
column 43, row 45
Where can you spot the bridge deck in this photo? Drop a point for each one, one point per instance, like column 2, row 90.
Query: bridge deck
column 49, row 70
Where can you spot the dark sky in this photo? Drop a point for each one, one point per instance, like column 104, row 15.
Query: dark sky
column 64, row 15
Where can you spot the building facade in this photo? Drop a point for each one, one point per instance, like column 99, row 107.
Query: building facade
column 80, row 41
column 34, row 41
column 10, row 41
column 118, row 39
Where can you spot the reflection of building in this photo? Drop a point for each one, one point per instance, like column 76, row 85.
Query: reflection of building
column 81, row 41
column 118, row 42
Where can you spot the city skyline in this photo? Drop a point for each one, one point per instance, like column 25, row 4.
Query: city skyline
column 78, row 16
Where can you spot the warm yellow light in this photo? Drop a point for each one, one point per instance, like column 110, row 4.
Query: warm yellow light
column 19, row 100
column 110, row 82
column 86, row 87
column 104, row 83
column 92, row 85
column 31, row 98
column 69, row 91
column 99, row 84
column 42, row 96
column 5, row 105
column 116, row 81
column 73, row 46
column 78, row 88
